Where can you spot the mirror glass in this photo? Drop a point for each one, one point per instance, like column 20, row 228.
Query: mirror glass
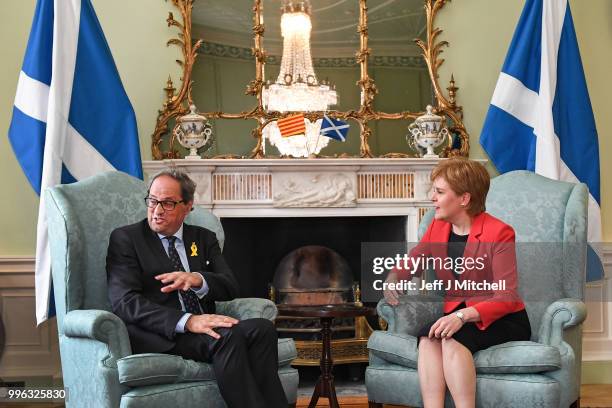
column 223, row 69
column 398, row 69
column 225, row 65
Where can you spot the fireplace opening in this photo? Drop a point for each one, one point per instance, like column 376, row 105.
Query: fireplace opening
column 313, row 275
column 254, row 247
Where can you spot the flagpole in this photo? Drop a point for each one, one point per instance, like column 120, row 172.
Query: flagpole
column 306, row 144
column 306, row 139
column 319, row 136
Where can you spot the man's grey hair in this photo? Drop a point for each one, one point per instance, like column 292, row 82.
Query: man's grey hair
column 188, row 186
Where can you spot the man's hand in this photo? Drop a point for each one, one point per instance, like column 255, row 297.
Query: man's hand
column 205, row 323
column 180, row 280
column 392, row 295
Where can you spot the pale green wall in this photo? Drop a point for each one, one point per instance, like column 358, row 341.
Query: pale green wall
column 597, row 372
column 18, row 202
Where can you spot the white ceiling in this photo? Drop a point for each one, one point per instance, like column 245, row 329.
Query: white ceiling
column 393, row 24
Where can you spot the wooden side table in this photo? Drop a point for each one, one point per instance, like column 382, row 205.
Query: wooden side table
column 326, row 313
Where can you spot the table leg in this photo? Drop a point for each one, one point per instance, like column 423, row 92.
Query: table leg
column 315, row 394
column 325, row 384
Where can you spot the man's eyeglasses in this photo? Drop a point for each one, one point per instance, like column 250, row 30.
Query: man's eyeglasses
column 167, row 205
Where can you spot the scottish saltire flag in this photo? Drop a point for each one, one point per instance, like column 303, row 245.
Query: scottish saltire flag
column 334, row 128
column 540, row 118
column 72, row 118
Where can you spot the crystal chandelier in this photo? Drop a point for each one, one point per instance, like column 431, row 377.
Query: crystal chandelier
column 297, row 87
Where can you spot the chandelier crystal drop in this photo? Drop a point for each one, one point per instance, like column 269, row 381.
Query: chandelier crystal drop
column 296, row 87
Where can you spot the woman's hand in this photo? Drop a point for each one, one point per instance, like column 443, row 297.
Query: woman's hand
column 445, row 327
column 392, row 295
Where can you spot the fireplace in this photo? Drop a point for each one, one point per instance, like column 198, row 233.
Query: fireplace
column 270, row 207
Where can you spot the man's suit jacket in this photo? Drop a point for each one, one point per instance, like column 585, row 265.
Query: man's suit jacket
column 492, row 241
column 135, row 256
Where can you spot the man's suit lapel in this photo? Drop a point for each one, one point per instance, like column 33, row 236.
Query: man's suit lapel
column 157, row 248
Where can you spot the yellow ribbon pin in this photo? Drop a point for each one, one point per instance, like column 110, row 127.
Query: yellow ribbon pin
column 194, row 249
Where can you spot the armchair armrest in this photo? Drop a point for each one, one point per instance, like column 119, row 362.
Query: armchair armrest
column 558, row 328
column 395, row 348
column 99, row 325
column 412, row 312
column 560, row 315
column 247, row 308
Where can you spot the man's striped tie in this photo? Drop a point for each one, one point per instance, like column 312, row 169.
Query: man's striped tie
column 190, row 299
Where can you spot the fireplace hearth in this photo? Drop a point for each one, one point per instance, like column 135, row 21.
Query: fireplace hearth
column 312, row 275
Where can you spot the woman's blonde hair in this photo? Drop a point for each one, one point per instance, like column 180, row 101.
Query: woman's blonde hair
column 465, row 176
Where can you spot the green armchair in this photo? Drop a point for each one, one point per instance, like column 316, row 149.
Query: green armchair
column 548, row 217
column 98, row 366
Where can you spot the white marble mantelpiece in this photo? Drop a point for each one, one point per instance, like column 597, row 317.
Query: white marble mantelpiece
column 309, row 187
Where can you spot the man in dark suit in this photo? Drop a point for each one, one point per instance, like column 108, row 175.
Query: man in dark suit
column 164, row 277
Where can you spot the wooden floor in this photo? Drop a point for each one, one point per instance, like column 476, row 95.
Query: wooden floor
column 592, row 396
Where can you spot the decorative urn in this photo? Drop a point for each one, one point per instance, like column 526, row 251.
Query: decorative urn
column 193, row 131
column 427, row 132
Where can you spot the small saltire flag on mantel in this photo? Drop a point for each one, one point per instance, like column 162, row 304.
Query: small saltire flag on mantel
column 334, row 128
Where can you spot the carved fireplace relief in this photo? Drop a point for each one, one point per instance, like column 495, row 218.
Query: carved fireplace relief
column 314, row 190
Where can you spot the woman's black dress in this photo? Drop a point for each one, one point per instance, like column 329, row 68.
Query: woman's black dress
column 511, row 327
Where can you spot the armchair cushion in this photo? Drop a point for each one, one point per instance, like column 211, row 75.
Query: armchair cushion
column 400, row 349
column 508, row 358
column 158, row 368
column 286, row 352
column 247, row 308
column 516, row 357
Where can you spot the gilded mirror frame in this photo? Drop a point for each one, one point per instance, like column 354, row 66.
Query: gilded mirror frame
column 177, row 101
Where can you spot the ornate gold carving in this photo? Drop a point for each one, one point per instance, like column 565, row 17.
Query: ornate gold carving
column 431, row 53
column 176, row 104
column 344, row 351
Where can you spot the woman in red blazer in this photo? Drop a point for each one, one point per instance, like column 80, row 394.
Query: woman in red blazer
column 482, row 307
